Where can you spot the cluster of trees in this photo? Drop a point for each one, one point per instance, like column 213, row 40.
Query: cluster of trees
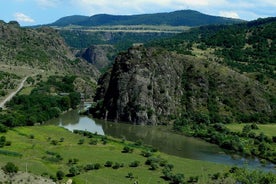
column 42, row 104
column 248, row 47
column 246, row 142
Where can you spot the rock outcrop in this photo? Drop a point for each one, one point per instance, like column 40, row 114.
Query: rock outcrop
column 154, row 86
column 98, row 55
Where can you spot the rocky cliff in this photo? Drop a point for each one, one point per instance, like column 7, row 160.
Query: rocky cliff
column 98, row 55
column 154, row 86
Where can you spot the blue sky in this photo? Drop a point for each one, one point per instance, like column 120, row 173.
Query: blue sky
column 33, row 12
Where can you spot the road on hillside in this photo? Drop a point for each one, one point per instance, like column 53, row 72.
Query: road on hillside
column 11, row 95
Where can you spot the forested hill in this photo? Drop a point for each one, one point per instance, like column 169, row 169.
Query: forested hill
column 177, row 18
column 228, row 77
column 249, row 48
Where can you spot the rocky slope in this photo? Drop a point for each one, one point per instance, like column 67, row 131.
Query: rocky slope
column 154, row 86
column 98, row 55
column 41, row 48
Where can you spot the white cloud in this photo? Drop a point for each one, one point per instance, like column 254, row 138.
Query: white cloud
column 21, row 17
column 229, row 14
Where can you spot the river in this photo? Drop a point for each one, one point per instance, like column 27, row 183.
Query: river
column 159, row 137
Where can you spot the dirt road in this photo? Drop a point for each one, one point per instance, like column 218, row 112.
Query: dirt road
column 9, row 97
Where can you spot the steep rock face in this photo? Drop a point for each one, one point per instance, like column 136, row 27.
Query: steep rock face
column 152, row 86
column 141, row 88
column 98, row 55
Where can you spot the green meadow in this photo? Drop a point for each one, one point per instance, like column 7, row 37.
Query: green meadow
column 35, row 149
column 267, row 129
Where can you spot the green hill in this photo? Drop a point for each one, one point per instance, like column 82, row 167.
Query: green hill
column 177, row 18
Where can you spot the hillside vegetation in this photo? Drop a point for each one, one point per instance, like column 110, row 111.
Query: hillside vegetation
column 248, row 48
column 177, row 18
column 40, row 48
column 37, row 54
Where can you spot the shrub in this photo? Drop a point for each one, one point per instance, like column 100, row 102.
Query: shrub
column 146, row 153
column 89, row 167
column 127, row 149
column 153, row 166
column 93, row 142
column 81, row 141
column 10, row 168
column 97, row 166
column 138, row 142
column 8, row 143
column 31, row 136
column 60, row 175
column 254, row 126
column 116, row 165
column 134, row 164
column 108, row 164
column 177, row 178
column 73, row 171
column 54, row 142
column 130, row 175
column 274, row 139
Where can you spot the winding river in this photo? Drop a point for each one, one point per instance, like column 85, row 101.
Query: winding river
column 159, row 137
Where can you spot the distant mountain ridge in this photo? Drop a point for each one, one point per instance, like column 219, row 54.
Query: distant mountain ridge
column 177, row 18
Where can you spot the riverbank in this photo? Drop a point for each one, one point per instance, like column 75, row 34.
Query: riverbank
column 38, row 147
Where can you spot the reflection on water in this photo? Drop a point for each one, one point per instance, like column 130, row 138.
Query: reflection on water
column 158, row 137
column 72, row 121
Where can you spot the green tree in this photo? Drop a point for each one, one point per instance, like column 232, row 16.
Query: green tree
column 73, row 171
column 60, row 175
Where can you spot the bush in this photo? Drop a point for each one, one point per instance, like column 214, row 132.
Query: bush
column 177, row 178
column 127, row 149
column 81, row 141
column 146, row 153
column 108, row 164
column 89, row 167
column 116, row 165
column 73, row 171
column 93, row 142
column 60, row 175
column 10, row 168
column 130, row 175
column 54, row 142
column 97, row 166
column 153, row 166
column 134, row 164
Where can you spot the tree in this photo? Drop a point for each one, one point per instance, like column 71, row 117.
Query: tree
column 73, row 171
column 60, row 175
column 10, row 168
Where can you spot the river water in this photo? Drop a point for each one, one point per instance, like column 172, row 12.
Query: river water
column 159, row 137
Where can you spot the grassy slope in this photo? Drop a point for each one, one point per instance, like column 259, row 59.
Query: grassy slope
column 267, row 129
column 34, row 149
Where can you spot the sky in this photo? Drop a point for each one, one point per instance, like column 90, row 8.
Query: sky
column 35, row 12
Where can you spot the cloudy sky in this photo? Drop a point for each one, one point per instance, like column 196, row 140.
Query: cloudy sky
column 33, row 12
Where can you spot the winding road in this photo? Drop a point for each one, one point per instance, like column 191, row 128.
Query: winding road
column 11, row 95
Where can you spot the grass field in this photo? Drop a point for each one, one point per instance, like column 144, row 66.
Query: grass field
column 267, row 129
column 34, row 143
